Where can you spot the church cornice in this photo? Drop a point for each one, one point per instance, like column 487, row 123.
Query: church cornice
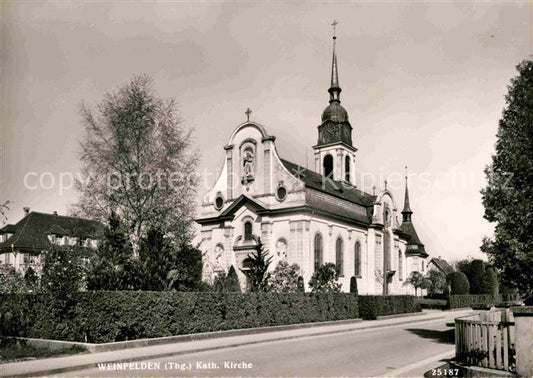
column 332, row 144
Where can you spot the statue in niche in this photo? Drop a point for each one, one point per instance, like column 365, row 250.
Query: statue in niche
column 281, row 249
column 218, row 254
column 248, row 161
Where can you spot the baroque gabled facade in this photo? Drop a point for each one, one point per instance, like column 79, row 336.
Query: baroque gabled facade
column 308, row 217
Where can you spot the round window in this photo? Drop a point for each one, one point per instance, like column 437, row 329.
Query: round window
column 281, row 193
column 219, row 202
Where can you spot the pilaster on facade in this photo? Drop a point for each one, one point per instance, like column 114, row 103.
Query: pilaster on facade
column 296, row 228
column 229, row 165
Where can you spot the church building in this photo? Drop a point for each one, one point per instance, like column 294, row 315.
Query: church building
column 308, row 217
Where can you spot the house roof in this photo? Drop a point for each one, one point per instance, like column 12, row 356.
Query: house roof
column 442, row 265
column 31, row 232
column 335, row 188
column 8, row 229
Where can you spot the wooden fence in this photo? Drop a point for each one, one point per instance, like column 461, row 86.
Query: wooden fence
column 486, row 339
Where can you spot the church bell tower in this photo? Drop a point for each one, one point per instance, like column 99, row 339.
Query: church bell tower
column 334, row 152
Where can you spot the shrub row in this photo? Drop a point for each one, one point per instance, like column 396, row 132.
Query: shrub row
column 460, row 301
column 372, row 306
column 99, row 317
column 432, row 303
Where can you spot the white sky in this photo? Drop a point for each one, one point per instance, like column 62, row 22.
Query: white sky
column 423, row 83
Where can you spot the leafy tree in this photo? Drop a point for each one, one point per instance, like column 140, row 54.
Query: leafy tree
column 417, row 280
column 136, row 160
column 353, row 285
column 436, row 282
column 257, row 272
column 63, row 273
column 458, row 283
column 490, row 282
column 110, row 268
column 477, row 271
column 186, row 274
column 325, row 279
column 4, row 208
column 464, row 266
column 508, row 196
column 156, row 260
column 285, row 278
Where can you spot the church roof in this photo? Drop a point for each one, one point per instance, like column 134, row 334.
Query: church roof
column 31, row 232
column 414, row 245
column 334, row 188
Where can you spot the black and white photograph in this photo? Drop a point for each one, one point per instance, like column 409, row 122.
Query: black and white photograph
column 266, row 188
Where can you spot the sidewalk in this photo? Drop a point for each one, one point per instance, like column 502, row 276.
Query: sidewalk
column 90, row 360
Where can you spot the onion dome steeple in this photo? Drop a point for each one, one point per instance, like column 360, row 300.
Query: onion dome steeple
column 335, row 125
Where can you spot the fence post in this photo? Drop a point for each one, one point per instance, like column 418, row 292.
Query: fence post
column 523, row 318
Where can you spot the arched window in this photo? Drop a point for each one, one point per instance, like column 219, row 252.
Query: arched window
column 357, row 259
column 347, row 168
column 400, row 265
column 339, row 256
column 328, row 166
column 247, row 230
column 318, row 251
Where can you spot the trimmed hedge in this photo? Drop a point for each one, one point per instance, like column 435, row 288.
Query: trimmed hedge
column 372, row 306
column 106, row 316
column 460, row 301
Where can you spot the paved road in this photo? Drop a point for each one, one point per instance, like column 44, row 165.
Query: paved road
column 405, row 350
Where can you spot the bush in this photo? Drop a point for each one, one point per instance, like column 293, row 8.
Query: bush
column 353, row 285
column 461, row 301
column 432, row 303
column 372, row 306
column 301, row 286
column 459, row 283
column 324, row 279
column 284, row 278
column 107, row 316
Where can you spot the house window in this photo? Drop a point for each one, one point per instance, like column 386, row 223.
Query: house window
column 27, row 258
column 328, row 166
column 347, row 168
column 339, row 256
column 400, row 266
column 357, row 259
column 318, row 251
column 422, row 265
column 247, row 230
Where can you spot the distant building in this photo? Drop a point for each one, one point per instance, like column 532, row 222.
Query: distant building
column 22, row 244
column 441, row 265
column 308, row 217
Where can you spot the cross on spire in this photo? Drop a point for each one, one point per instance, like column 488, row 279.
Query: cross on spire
column 248, row 112
column 334, row 24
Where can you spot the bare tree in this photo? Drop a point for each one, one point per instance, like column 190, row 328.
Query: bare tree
column 137, row 160
column 4, row 208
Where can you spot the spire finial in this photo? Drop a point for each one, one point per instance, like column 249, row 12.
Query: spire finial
column 334, row 90
column 248, row 112
column 335, row 23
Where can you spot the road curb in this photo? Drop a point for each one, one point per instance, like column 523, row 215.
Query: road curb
column 81, row 365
